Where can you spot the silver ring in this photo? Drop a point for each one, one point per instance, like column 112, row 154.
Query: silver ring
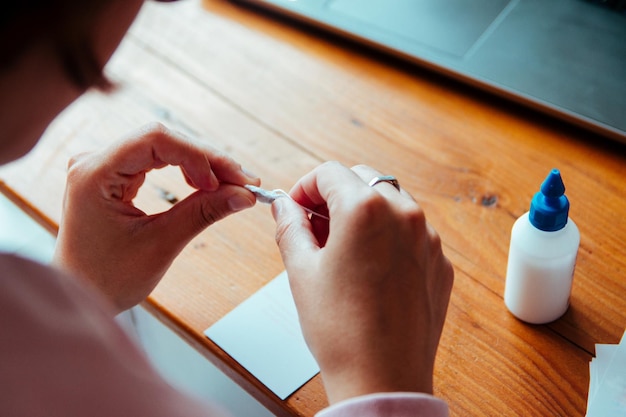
column 385, row 178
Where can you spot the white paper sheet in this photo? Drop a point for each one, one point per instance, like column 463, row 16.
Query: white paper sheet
column 607, row 383
column 263, row 334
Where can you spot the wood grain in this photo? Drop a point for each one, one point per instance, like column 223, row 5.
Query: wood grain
column 281, row 99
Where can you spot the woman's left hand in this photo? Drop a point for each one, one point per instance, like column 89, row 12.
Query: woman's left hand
column 105, row 239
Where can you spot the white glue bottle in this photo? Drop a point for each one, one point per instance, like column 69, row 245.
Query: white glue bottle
column 542, row 256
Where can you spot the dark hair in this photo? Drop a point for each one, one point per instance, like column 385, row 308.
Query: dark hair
column 65, row 25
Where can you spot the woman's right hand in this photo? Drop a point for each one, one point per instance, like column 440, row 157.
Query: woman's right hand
column 371, row 285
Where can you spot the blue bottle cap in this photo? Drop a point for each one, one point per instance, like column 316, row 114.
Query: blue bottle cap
column 549, row 207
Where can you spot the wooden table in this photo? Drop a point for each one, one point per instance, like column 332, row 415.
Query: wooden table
column 282, row 99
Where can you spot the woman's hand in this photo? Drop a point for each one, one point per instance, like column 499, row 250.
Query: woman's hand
column 105, row 239
column 371, row 286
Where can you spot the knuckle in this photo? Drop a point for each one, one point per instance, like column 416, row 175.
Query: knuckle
column 209, row 214
column 152, row 132
column 156, row 128
column 332, row 164
column 76, row 159
column 372, row 205
column 360, row 167
column 415, row 215
column 77, row 168
column 222, row 157
column 365, row 172
column 329, row 166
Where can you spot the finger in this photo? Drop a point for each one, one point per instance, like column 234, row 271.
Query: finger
column 155, row 146
column 332, row 184
column 201, row 209
column 294, row 234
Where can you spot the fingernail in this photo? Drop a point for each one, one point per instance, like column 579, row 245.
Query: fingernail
column 277, row 208
column 280, row 208
column 238, row 202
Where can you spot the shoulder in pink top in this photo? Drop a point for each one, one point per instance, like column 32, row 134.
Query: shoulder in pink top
column 63, row 355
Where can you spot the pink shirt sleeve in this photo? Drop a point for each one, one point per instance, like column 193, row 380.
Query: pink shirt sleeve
column 62, row 354
column 393, row 404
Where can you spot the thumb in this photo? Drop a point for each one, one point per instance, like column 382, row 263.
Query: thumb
column 187, row 218
column 294, row 233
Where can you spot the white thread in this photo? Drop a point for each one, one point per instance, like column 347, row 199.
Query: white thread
column 269, row 196
column 265, row 196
